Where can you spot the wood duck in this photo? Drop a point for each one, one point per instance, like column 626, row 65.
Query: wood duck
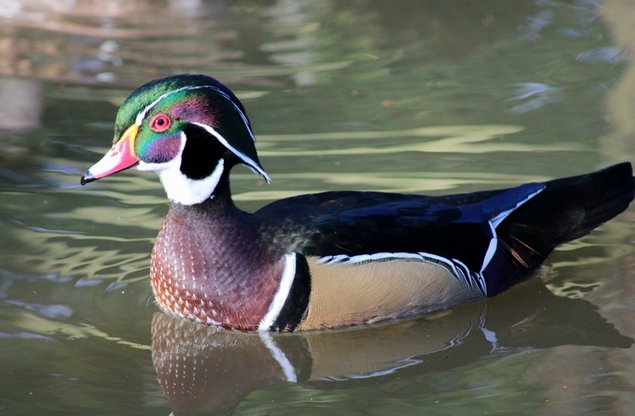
column 329, row 259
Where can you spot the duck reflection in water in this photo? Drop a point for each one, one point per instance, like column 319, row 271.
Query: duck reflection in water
column 203, row 369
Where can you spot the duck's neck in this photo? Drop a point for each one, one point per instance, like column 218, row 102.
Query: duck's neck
column 211, row 265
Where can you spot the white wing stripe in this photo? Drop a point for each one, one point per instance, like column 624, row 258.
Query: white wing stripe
column 491, row 248
column 500, row 217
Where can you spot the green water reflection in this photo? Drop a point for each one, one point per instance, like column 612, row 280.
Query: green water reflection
column 398, row 96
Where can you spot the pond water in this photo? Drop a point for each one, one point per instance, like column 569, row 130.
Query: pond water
column 401, row 96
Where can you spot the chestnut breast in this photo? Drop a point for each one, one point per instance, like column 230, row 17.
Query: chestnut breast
column 210, row 268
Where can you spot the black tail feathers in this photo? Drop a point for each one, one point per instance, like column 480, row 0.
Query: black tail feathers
column 566, row 209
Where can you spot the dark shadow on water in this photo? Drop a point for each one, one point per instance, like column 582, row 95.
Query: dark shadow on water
column 203, row 369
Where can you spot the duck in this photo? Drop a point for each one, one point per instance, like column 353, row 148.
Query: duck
column 331, row 259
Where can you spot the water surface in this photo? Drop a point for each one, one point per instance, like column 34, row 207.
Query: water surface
column 400, row 96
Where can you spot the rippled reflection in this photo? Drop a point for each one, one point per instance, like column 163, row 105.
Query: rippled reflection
column 205, row 369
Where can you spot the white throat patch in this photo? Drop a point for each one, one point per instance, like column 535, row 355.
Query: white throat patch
column 188, row 191
column 179, row 187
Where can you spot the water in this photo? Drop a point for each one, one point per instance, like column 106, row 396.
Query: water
column 426, row 97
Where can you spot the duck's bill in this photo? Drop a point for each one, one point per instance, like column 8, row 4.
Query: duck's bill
column 120, row 157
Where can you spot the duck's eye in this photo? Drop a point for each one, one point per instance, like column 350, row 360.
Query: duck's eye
column 160, row 123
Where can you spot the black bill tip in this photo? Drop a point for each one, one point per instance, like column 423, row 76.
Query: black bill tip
column 87, row 178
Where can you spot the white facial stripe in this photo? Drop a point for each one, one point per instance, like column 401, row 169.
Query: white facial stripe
column 284, row 287
column 246, row 159
column 142, row 115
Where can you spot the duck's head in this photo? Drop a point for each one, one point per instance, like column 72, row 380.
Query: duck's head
column 190, row 129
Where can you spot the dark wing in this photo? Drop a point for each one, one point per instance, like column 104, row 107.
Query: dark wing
column 357, row 223
column 501, row 236
column 408, row 226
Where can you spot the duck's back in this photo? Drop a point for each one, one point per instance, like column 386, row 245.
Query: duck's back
column 408, row 254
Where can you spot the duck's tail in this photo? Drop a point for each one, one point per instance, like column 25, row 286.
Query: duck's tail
column 564, row 210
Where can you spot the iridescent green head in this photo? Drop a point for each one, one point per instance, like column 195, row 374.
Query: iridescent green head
column 190, row 129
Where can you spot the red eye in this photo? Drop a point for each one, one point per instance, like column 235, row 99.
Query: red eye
column 160, row 123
